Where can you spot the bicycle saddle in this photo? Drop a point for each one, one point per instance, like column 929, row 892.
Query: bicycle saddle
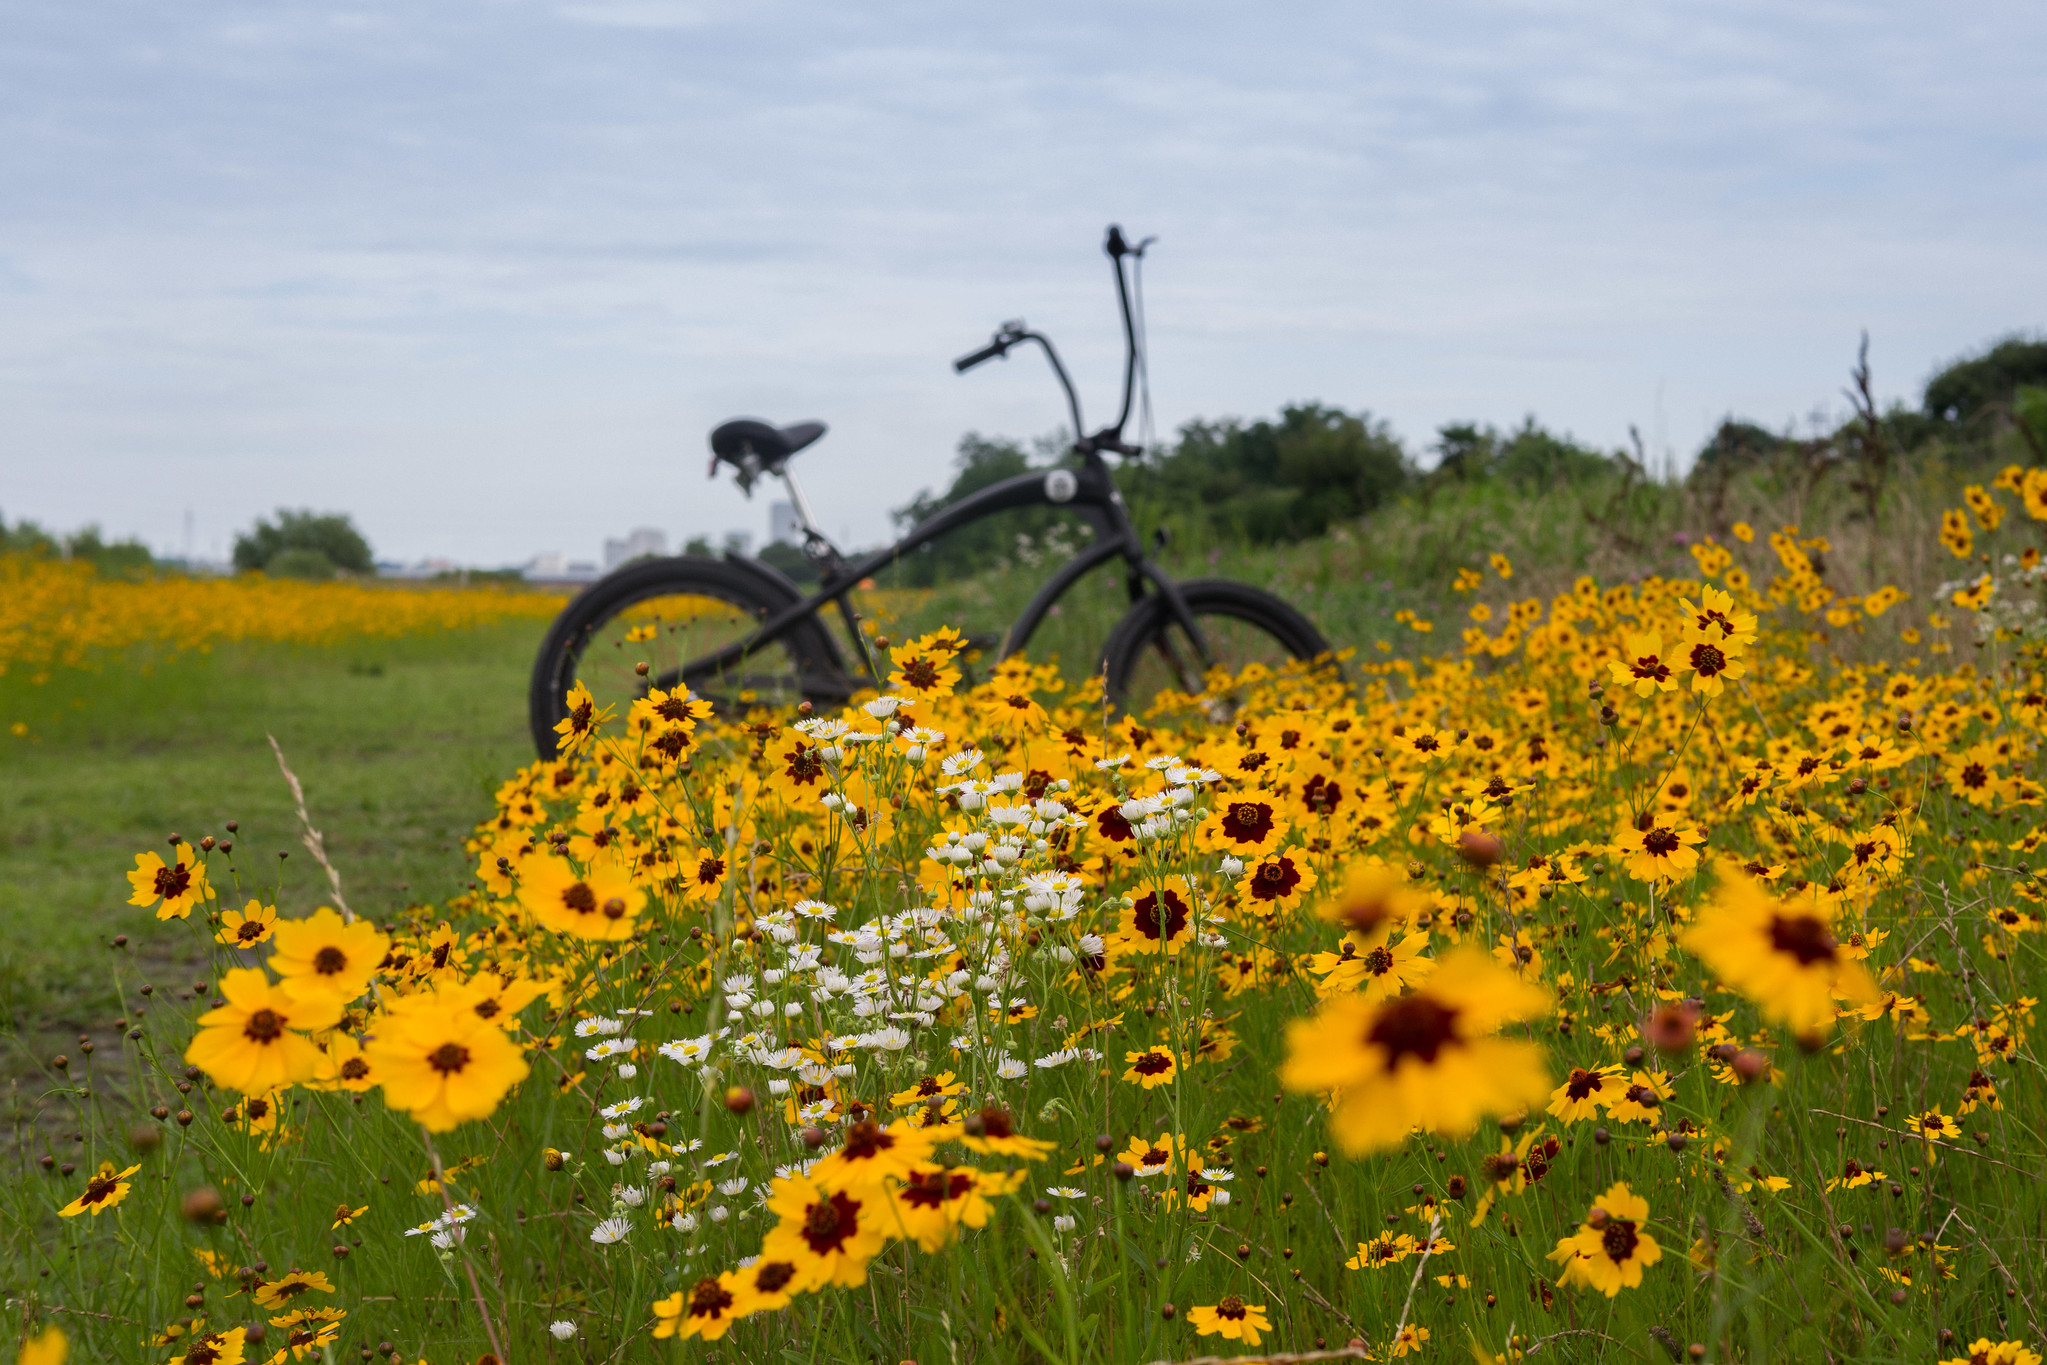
column 770, row 445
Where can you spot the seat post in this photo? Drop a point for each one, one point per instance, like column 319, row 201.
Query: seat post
column 802, row 505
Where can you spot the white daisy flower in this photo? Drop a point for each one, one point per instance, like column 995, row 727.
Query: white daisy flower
column 623, row 1107
column 562, row 1329
column 610, row 1230
column 591, row 1027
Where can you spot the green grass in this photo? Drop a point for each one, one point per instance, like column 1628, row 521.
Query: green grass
column 399, row 743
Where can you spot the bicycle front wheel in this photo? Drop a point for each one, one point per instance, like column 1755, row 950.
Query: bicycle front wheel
column 670, row 614
column 1150, row 654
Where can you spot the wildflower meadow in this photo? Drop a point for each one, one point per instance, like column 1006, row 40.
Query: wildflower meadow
column 1650, row 978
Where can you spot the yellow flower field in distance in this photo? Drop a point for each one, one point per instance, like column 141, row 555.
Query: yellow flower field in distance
column 64, row 614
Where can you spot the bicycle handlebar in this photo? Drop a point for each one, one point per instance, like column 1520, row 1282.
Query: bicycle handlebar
column 999, row 346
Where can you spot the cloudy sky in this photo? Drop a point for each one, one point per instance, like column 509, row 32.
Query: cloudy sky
column 483, row 274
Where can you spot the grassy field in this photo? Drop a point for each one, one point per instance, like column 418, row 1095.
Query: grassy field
column 399, row 743
column 1829, row 1148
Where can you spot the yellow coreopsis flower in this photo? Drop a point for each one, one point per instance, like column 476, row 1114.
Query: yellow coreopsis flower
column 1610, row 1248
column 1643, row 666
column 177, row 885
column 1781, row 955
column 247, row 927
column 600, row 902
column 106, row 1188
column 1430, row 1060
column 257, row 1041
column 1152, row 1067
column 828, row 1235
column 441, row 1062
column 326, row 955
column 705, row 1310
column 1234, row 1319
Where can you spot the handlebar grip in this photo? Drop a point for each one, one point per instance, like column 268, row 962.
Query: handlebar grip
column 989, row 352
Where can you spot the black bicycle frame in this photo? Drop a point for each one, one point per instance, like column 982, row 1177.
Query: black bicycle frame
column 1088, row 490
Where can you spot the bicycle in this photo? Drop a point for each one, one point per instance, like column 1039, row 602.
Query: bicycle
column 739, row 631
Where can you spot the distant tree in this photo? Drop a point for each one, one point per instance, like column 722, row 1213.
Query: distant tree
column 296, row 543
column 1969, row 387
column 1530, row 456
column 1736, row 444
column 112, row 557
column 1276, row 481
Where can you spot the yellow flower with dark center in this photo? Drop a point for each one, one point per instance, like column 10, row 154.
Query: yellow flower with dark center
column 601, row 902
column 256, row 1041
column 1659, row 845
column 991, row 1133
column 309, row 1332
column 1382, row 967
column 1709, row 661
column 873, row 1154
column 703, row 876
column 344, row 1215
column 828, row 1235
column 1955, row 534
column 1276, row 882
column 215, row 1348
column 1780, row 954
column 1584, row 1093
column 1233, row 1319
column 928, row 1088
column 1242, row 825
column 1386, row 1249
column 440, row 1062
column 325, row 955
column 1610, row 1248
column 104, row 1189
column 703, row 1310
column 174, row 888
column 581, row 723
column 1643, row 666
column 1933, row 1126
column 1430, row 1060
column 763, row 1287
column 247, row 927
column 926, row 674
column 1152, row 1067
column 935, row 1202
column 1157, row 919
column 282, row 1291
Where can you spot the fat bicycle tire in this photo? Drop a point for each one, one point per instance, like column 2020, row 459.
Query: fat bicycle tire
column 801, row 664
column 1149, row 650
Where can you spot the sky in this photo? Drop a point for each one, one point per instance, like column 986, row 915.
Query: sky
column 484, row 273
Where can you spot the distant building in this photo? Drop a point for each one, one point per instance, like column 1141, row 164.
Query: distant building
column 783, row 527
column 644, row 540
column 552, row 566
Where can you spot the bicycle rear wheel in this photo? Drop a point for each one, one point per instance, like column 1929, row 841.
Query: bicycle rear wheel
column 1149, row 652
column 669, row 614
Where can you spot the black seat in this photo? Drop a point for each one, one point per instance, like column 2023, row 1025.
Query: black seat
column 771, row 445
